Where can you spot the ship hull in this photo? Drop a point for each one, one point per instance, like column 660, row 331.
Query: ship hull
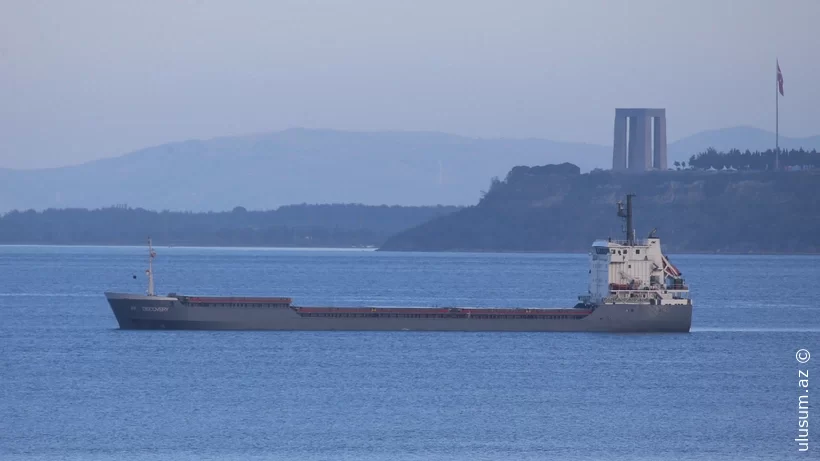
column 136, row 312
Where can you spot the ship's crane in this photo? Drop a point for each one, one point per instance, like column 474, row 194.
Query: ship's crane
column 626, row 213
column 150, row 271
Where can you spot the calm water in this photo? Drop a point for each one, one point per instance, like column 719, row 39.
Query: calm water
column 74, row 387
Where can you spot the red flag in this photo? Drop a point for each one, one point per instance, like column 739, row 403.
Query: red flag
column 779, row 80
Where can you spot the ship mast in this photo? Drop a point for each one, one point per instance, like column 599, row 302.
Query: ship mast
column 150, row 272
column 627, row 214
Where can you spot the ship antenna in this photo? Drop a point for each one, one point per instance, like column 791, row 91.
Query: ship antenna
column 150, row 272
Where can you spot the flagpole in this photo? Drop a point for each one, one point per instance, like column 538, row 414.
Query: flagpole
column 776, row 124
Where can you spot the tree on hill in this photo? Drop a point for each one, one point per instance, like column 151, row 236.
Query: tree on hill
column 758, row 161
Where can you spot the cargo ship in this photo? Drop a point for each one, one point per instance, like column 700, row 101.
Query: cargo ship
column 633, row 287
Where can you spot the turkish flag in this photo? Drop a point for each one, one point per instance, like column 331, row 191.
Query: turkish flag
column 779, row 80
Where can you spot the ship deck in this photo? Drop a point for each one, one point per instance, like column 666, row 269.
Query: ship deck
column 386, row 311
column 435, row 312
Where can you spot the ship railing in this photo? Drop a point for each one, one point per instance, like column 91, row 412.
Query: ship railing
column 642, row 242
column 622, row 295
column 678, row 287
column 617, row 289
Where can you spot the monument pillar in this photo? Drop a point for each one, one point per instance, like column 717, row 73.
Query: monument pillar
column 619, row 148
column 633, row 137
column 659, row 149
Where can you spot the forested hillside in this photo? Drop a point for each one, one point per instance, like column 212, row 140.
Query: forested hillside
column 295, row 225
column 555, row 208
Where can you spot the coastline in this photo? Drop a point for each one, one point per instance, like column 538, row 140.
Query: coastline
column 164, row 247
column 377, row 249
column 685, row 252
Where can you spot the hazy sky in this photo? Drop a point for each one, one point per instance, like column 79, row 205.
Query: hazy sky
column 87, row 79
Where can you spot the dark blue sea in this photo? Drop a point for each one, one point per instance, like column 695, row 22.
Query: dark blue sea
column 74, row 387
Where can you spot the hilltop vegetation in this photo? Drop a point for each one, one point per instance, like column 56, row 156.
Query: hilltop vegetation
column 295, row 225
column 555, row 208
column 757, row 160
column 740, row 137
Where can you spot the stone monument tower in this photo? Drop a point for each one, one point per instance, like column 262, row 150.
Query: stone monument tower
column 646, row 150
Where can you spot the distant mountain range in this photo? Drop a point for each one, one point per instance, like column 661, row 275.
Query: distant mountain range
column 321, row 166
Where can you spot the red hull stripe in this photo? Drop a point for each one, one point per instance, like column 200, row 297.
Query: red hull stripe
column 422, row 310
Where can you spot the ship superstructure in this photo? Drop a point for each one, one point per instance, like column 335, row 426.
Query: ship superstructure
column 632, row 288
column 633, row 271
